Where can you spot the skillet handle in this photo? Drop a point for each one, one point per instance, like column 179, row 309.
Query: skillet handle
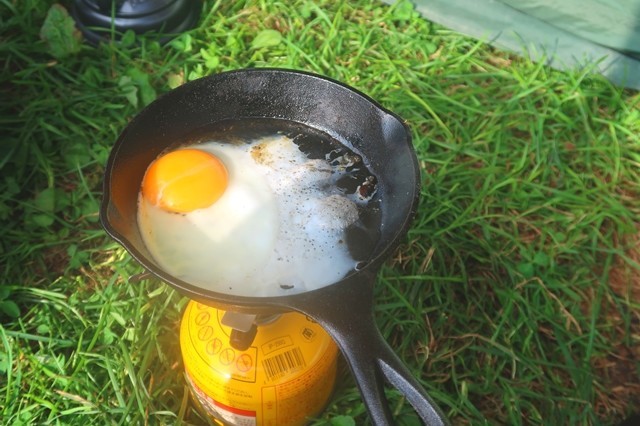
column 346, row 313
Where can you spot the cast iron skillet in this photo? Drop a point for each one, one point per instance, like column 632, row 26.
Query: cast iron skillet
column 345, row 308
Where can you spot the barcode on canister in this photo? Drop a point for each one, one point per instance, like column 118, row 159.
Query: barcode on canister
column 287, row 362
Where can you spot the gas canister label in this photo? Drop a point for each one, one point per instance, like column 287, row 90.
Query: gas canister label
column 282, row 364
column 285, row 376
column 221, row 411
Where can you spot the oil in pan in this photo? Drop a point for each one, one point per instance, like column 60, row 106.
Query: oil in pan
column 285, row 377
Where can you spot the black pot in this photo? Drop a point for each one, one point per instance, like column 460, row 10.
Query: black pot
column 95, row 18
column 345, row 308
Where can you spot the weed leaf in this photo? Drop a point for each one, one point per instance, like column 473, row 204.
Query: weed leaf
column 46, row 200
column 129, row 90
column 77, row 154
column 59, row 33
column 141, row 80
column 343, row 421
column 211, row 60
column 403, row 10
column 42, row 220
column 541, row 259
column 76, row 257
column 196, row 73
column 44, row 203
column 526, row 269
column 4, row 292
column 182, row 43
column 128, row 38
column 266, row 38
column 4, row 362
column 43, row 329
column 9, row 308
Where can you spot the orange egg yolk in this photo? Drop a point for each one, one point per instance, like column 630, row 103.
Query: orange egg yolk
column 185, row 180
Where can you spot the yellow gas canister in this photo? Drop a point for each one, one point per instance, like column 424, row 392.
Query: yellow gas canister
column 285, row 377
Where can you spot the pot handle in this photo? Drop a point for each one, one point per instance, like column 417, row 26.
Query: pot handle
column 346, row 313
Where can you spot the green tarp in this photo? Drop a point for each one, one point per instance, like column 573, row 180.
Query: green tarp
column 603, row 35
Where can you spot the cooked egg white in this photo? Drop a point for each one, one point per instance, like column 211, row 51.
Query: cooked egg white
column 278, row 229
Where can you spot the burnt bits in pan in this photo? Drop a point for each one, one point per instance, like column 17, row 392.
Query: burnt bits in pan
column 356, row 181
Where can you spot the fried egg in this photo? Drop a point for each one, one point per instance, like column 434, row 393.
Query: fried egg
column 246, row 219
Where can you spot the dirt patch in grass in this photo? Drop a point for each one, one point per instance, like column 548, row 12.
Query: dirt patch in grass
column 624, row 279
column 619, row 371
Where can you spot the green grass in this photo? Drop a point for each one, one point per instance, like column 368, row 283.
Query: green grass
column 514, row 298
